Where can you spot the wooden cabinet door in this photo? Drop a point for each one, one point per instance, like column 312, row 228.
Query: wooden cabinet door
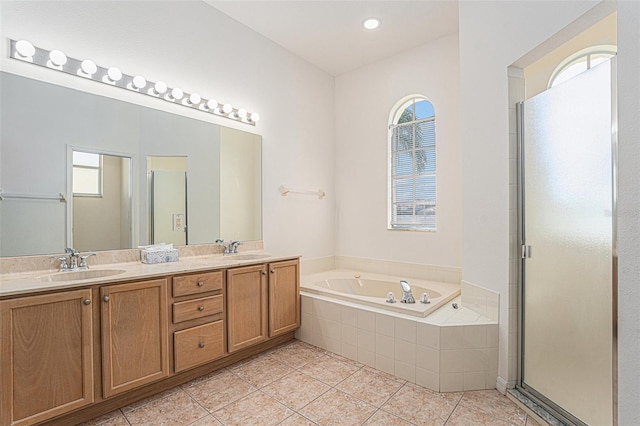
column 46, row 356
column 135, row 335
column 246, row 306
column 284, row 297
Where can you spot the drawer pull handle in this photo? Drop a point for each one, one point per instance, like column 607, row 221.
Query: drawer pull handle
column 201, row 308
column 273, row 271
column 201, row 344
column 105, row 298
column 87, row 301
column 264, row 272
column 200, row 283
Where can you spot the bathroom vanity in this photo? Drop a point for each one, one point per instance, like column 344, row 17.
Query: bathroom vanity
column 73, row 350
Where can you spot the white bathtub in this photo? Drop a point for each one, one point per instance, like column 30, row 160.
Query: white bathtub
column 371, row 290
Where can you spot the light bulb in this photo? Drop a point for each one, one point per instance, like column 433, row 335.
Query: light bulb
column 227, row 108
column 25, row 49
column 139, row 82
column 371, row 23
column 177, row 93
column 88, row 67
column 241, row 113
column 160, row 88
column 114, row 74
column 194, row 99
column 211, row 105
column 57, row 58
column 255, row 117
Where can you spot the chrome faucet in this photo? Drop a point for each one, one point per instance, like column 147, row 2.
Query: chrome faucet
column 233, row 246
column 72, row 264
column 407, row 297
column 229, row 248
column 73, row 258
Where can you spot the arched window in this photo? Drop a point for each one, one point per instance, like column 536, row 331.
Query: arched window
column 580, row 62
column 412, row 166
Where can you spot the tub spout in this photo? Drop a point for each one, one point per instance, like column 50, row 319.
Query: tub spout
column 407, row 297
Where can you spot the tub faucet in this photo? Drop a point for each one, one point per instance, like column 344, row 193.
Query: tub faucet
column 407, row 297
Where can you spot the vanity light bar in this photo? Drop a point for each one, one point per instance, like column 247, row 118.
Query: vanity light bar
column 57, row 60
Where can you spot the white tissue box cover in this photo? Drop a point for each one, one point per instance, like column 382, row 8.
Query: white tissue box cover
column 160, row 256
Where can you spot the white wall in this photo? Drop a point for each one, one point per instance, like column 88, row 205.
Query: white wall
column 195, row 47
column 628, row 212
column 364, row 101
column 493, row 35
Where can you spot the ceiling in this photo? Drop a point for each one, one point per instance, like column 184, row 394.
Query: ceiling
column 329, row 34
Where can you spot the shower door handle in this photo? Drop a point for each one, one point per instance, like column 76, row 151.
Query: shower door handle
column 525, row 252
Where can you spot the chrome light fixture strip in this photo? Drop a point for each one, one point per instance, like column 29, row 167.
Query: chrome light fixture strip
column 24, row 51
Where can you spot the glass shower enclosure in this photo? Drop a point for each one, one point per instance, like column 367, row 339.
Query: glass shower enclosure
column 567, row 232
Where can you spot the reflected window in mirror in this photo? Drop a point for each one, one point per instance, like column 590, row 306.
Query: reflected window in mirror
column 87, row 174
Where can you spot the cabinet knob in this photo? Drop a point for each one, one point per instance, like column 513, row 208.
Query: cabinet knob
column 201, row 308
column 201, row 344
column 87, row 301
column 105, row 298
column 200, row 283
column 264, row 272
column 273, row 271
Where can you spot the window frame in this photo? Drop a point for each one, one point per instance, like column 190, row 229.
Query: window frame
column 392, row 177
column 579, row 56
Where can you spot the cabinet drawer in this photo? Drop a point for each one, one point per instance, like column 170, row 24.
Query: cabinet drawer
column 197, row 308
column 197, row 283
column 198, row 345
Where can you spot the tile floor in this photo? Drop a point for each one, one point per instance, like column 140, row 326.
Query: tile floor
column 299, row 384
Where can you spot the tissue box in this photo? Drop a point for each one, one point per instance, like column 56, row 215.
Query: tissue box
column 159, row 256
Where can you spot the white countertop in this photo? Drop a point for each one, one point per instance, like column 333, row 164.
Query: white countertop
column 37, row 281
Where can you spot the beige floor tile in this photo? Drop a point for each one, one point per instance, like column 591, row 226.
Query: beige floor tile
column 465, row 416
column 207, row 421
column 296, row 390
column 297, row 420
column 383, row 374
column 150, row 399
column 215, row 393
column 262, row 371
column 299, row 376
column 114, row 418
column 382, row 418
column 495, row 405
column 338, row 408
column 205, row 378
column 329, row 370
column 254, row 409
column 422, row 406
column 297, row 354
column 345, row 360
column 176, row 409
column 372, row 388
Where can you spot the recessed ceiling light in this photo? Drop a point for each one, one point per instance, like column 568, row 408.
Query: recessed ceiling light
column 371, row 23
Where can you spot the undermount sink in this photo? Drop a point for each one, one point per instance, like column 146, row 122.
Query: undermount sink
column 87, row 274
column 248, row 256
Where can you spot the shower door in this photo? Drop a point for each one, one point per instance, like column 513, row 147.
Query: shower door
column 567, row 208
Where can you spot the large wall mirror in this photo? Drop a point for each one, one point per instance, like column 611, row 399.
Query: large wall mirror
column 129, row 175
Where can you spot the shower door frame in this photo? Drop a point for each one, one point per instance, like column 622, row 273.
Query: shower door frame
column 530, row 393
